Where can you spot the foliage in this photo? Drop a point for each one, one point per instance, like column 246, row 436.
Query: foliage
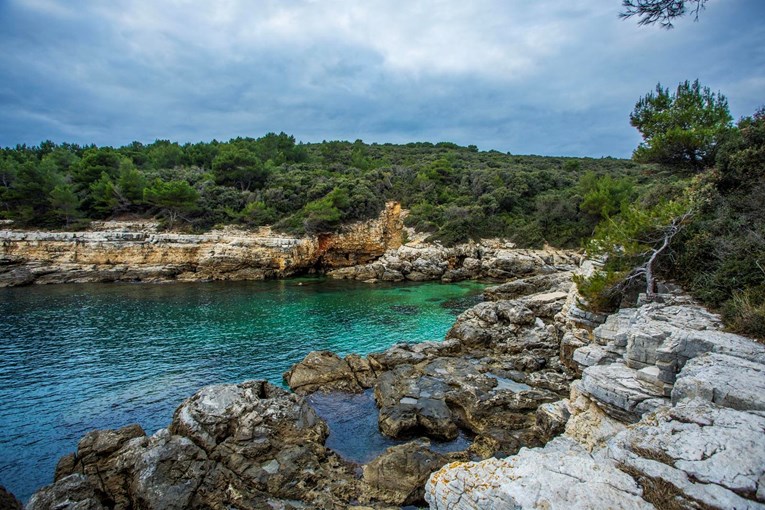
column 660, row 11
column 681, row 129
column 172, row 198
column 633, row 244
column 455, row 193
column 721, row 256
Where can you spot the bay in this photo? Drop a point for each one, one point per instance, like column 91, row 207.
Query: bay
column 74, row 358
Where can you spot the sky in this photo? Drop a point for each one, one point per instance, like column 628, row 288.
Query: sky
column 548, row 77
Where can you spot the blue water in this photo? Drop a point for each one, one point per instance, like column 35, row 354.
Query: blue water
column 79, row 357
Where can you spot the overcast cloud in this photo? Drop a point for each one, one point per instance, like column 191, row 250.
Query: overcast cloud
column 550, row 77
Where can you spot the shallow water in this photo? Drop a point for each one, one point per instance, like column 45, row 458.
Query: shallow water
column 79, row 357
column 354, row 433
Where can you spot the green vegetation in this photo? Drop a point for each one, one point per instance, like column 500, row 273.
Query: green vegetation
column 681, row 129
column 454, row 193
column 705, row 231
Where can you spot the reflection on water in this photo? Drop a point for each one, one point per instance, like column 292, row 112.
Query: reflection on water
column 79, row 357
column 354, row 434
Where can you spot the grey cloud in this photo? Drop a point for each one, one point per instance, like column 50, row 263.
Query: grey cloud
column 512, row 76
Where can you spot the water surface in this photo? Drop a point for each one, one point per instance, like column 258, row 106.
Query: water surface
column 79, row 357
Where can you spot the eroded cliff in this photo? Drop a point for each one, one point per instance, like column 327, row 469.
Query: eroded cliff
column 131, row 251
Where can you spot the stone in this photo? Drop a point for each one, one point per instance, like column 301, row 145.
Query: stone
column 703, row 454
column 73, row 492
column 532, row 285
column 619, row 392
column 324, row 370
column 726, row 380
column 551, row 419
column 8, row 501
column 562, row 475
column 134, row 251
column 398, row 476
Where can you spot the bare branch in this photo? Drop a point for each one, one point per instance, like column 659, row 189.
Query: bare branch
column 660, row 11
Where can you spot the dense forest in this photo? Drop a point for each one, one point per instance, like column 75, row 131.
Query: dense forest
column 454, row 193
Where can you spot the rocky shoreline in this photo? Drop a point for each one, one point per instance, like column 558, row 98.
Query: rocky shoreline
column 119, row 251
column 668, row 412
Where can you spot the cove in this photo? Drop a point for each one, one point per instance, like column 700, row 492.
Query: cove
column 74, row 358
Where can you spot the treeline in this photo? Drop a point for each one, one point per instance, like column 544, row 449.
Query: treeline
column 455, row 193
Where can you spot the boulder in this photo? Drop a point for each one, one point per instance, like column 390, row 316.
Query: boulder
column 398, row 476
column 726, row 380
column 326, row 371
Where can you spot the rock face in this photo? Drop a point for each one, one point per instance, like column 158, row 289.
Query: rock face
column 122, row 251
column 250, row 446
column 668, row 414
column 489, row 260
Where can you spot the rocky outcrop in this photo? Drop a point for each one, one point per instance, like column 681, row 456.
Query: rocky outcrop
column 326, row 371
column 248, row 446
column 130, row 251
column 497, row 365
column 668, row 413
column 487, row 259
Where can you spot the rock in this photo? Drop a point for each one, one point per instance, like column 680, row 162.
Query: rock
column 561, row 475
column 8, row 501
column 551, row 419
column 701, row 454
column 524, row 286
column 727, row 381
column 619, row 392
column 73, row 492
column 398, row 476
column 411, row 402
column 130, row 251
column 324, row 370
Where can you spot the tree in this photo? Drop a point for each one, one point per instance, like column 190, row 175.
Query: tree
column 681, row 129
column 660, row 11
column 632, row 244
column 240, row 167
column 173, row 198
column 65, row 203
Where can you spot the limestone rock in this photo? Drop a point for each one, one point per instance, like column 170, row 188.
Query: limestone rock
column 725, row 380
column 560, row 476
column 702, row 454
column 559, row 281
column 398, row 476
column 73, row 492
column 551, row 419
column 129, row 251
column 8, row 501
column 619, row 392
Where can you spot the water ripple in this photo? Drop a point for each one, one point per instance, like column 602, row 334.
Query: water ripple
column 79, row 357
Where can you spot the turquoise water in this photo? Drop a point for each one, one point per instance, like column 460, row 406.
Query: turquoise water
column 79, row 357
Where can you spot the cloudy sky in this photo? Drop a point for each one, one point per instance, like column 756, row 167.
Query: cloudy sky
column 553, row 77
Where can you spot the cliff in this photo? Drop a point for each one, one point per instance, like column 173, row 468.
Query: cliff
column 130, row 251
column 669, row 412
